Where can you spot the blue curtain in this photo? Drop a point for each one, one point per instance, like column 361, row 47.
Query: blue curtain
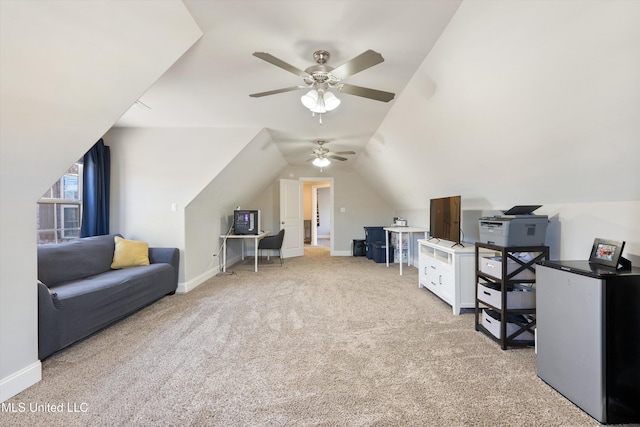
column 95, row 194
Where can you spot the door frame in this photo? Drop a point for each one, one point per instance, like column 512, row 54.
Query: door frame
column 321, row 183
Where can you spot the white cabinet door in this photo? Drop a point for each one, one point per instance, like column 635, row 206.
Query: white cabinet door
column 422, row 271
column 446, row 282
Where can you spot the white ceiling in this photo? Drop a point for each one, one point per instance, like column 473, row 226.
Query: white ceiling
column 210, row 85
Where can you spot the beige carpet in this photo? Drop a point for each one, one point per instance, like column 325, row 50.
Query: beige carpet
column 330, row 341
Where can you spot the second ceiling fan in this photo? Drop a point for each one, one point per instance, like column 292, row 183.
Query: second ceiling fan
column 322, row 156
column 320, row 78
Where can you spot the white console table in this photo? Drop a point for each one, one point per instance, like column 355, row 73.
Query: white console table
column 448, row 270
column 400, row 230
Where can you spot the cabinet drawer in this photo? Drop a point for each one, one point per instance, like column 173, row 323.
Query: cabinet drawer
column 430, row 268
column 524, row 297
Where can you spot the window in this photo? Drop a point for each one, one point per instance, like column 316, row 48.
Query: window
column 59, row 210
column 70, row 187
column 70, row 221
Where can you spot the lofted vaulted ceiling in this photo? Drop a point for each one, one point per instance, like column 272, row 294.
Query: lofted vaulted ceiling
column 210, row 85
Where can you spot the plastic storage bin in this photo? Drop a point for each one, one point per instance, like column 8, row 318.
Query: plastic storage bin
column 373, row 235
column 397, row 256
column 380, row 252
column 520, row 297
column 491, row 321
column 493, row 267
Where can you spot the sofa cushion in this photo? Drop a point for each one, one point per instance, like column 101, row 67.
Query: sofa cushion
column 75, row 259
column 111, row 281
column 129, row 253
column 90, row 304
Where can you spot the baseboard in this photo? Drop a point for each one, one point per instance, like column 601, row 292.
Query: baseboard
column 341, row 253
column 20, row 381
column 184, row 287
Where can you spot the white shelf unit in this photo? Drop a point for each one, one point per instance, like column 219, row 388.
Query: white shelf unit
column 448, row 272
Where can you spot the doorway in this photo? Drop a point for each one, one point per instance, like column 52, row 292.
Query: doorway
column 317, row 211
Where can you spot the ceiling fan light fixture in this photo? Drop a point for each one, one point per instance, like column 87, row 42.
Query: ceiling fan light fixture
column 319, row 107
column 310, row 99
column 319, row 101
column 321, row 162
column 331, row 101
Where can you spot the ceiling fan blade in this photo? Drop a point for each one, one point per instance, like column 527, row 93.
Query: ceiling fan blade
column 280, row 63
column 365, row 92
column 342, row 159
column 344, row 153
column 273, row 92
column 361, row 62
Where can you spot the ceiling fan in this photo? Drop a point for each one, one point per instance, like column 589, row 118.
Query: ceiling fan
column 320, row 78
column 321, row 155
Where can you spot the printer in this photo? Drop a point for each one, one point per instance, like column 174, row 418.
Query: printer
column 517, row 226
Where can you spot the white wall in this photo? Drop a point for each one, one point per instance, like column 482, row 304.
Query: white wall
column 523, row 102
column 324, row 213
column 67, row 76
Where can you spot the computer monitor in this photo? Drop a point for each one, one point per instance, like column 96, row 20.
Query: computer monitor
column 246, row 221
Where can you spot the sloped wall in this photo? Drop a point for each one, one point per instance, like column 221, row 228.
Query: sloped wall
column 209, row 215
column 523, row 103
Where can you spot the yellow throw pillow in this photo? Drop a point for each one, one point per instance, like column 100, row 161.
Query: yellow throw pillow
column 129, row 253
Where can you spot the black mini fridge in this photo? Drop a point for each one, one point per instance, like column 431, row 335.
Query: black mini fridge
column 588, row 337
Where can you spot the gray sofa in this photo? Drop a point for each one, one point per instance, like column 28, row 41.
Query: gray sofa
column 79, row 293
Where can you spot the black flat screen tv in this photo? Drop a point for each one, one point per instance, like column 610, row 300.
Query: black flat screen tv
column 444, row 218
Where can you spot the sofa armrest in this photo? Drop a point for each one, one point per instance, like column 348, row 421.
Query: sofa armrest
column 166, row 255
column 48, row 308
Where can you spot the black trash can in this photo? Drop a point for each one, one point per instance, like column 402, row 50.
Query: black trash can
column 359, row 248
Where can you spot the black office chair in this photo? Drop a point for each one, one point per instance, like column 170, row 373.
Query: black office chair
column 273, row 242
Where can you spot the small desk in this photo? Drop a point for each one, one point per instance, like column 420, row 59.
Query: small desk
column 401, row 230
column 256, row 238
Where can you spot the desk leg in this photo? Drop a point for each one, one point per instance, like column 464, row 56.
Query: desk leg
column 409, row 242
column 256, row 254
column 400, row 251
column 242, row 249
column 224, row 255
column 386, row 242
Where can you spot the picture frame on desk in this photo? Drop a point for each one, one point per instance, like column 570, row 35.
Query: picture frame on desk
column 606, row 252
